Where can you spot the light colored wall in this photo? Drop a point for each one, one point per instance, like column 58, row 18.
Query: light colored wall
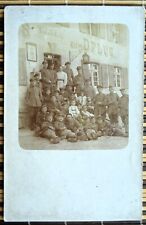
column 70, row 44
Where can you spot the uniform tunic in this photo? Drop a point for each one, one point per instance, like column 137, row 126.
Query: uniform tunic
column 70, row 76
column 79, row 83
column 123, row 106
column 61, row 79
column 112, row 103
column 100, row 105
column 49, row 77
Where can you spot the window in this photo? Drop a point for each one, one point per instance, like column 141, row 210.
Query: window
column 84, row 28
column 95, row 29
column 117, row 76
column 95, row 76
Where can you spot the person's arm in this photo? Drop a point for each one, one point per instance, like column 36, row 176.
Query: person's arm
column 65, row 78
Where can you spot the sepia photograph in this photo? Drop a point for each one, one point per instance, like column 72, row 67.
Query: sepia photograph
column 73, row 113
column 73, row 86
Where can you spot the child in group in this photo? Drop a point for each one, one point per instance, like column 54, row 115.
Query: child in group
column 84, row 112
column 73, row 110
column 61, row 129
column 33, row 100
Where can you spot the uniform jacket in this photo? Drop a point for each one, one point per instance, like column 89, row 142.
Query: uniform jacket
column 100, row 104
column 123, row 105
column 70, row 75
column 112, row 103
column 34, row 96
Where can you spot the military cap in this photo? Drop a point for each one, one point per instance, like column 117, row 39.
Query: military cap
column 122, row 89
column 44, row 105
column 79, row 67
column 67, row 63
column 36, row 75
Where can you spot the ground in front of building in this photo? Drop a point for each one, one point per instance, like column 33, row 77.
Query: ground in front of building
column 28, row 140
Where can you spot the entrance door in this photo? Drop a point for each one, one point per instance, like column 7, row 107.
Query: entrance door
column 53, row 58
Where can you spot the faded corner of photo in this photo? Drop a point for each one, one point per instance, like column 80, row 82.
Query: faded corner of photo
column 73, row 86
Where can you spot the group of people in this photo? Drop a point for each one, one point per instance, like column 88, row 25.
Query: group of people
column 63, row 106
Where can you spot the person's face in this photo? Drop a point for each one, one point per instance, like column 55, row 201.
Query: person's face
column 60, row 68
column 73, row 103
column 82, row 93
column 123, row 92
column 93, row 120
column 45, row 65
column 48, row 92
column 62, row 91
column 44, row 109
column 56, row 94
column 99, row 121
column 60, row 118
column 49, row 118
column 69, row 117
column 68, row 66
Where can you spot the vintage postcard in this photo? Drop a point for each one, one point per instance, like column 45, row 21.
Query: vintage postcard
column 73, row 113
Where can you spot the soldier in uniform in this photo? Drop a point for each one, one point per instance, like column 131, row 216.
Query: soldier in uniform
column 100, row 103
column 61, row 78
column 62, row 130
column 112, row 103
column 108, row 129
column 123, row 108
column 69, row 72
column 79, row 81
column 33, row 100
column 45, row 127
column 89, row 89
column 49, row 76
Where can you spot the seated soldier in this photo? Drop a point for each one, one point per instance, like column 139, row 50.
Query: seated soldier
column 84, row 112
column 62, row 130
column 90, row 106
column 45, row 126
column 74, row 125
column 108, row 129
column 55, row 101
column 90, row 132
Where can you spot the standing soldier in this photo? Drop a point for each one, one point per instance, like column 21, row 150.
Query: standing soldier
column 123, row 108
column 112, row 103
column 48, row 76
column 79, row 81
column 89, row 89
column 61, row 78
column 100, row 103
column 69, row 73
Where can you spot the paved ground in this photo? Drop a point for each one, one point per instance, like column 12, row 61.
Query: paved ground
column 27, row 140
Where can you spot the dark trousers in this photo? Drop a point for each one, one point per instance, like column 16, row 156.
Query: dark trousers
column 32, row 113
